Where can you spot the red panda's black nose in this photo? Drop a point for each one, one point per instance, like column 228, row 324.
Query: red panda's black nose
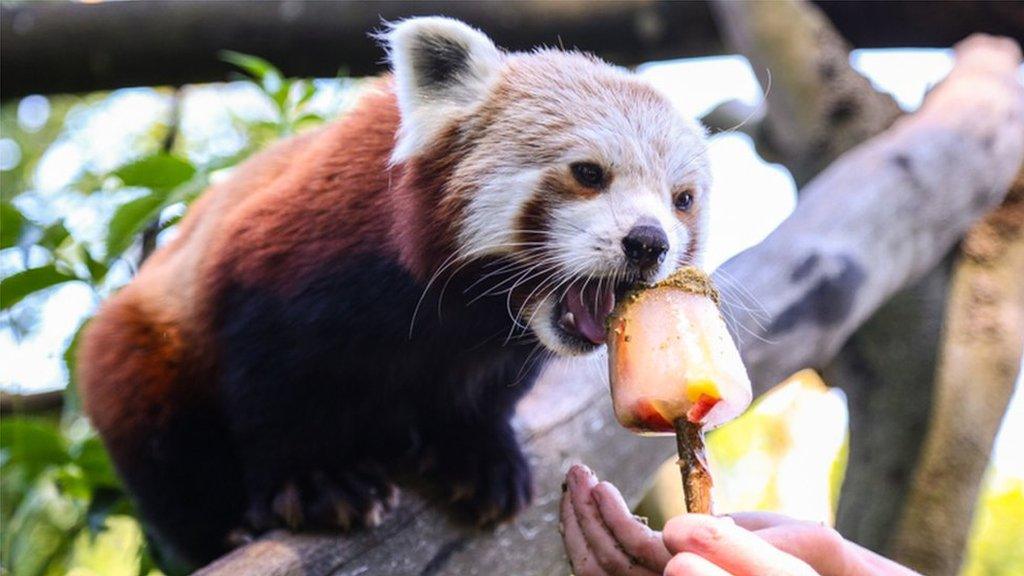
column 645, row 246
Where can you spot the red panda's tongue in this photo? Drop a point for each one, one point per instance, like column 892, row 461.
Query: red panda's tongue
column 590, row 307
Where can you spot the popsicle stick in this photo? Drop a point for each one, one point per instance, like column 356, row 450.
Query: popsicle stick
column 693, row 466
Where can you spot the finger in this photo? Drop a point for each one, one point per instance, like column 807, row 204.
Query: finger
column 606, row 550
column 730, row 547
column 581, row 561
column 879, row 564
column 821, row 547
column 639, row 542
column 689, row 564
column 760, row 520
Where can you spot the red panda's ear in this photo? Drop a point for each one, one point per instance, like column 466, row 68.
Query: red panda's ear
column 442, row 68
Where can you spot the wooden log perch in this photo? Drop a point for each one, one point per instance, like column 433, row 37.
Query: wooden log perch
column 877, row 219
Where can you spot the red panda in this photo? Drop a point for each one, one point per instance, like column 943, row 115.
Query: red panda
column 363, row 303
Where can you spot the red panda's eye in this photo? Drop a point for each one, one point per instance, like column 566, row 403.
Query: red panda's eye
column 684, row 201
column 588, row 174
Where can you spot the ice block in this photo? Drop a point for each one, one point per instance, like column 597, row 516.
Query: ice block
column 674, row 369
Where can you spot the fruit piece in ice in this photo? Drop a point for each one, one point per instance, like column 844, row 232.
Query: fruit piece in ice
column 671, row 357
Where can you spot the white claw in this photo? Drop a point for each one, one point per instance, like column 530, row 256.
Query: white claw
column 567, row 321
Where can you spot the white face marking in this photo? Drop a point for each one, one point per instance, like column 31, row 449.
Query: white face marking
column 489, row 225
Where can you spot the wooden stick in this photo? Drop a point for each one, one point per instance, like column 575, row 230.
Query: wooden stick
column 693, row 466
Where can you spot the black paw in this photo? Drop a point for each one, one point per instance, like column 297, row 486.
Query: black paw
column 488, row 486
column 344, row 501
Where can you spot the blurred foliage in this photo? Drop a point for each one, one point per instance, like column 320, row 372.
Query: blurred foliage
column 997, row 538
column 786, row 454
column 62, row 508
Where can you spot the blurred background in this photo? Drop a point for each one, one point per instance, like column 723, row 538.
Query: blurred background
column 115, row 116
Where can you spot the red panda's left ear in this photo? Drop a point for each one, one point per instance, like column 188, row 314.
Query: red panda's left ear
column 442, row 67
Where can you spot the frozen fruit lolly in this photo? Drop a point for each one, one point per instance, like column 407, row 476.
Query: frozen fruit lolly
column 674, row 368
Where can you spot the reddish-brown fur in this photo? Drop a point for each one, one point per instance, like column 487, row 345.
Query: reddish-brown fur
column 335, row 181
column 151, row 353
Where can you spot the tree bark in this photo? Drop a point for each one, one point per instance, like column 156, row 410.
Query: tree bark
column 86, row 47
column 818, row 106
column 97, row 46
column 887, row 367
column 979, row 361
column 36, row 403
column 890, row 378
column 887, row 370
column 861, row 231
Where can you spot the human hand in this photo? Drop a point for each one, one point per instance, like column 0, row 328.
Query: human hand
column 602, row 538
column 601, row 535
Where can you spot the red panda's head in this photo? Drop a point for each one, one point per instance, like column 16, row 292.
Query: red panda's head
column 578, row 175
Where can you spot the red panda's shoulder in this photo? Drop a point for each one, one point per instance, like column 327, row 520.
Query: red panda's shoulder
column 330, row 199
column 292, row 196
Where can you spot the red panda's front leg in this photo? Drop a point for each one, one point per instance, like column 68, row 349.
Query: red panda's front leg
column 471, row 451
column 302, row 461
column 358, row 496
column 482, row 472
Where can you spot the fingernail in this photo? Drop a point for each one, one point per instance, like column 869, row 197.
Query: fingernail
column 584, row 473
column 574, row 470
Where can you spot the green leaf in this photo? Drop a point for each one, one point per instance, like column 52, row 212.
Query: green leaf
column 97, row 270
column 97, row 469
column 31, row 443
column 134, row 215
column 253, row 65
column 306, row 91
column 72, row 402
column 130, row 219
column 54, row 235
column 41, row 532
column 269, row 78
column 159, row 171
column 16, row 287
column 11, row 224
column 170, row 222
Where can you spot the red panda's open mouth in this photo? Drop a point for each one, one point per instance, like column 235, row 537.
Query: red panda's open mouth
column 583, row 310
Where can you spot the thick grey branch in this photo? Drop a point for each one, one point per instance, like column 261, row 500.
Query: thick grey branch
column 881, row 216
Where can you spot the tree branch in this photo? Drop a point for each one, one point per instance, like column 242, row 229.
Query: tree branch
column 818, row 105
column 173, row 42
column 51, row 400
column 980, row 358
column 98, row 46
column 879, row 217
